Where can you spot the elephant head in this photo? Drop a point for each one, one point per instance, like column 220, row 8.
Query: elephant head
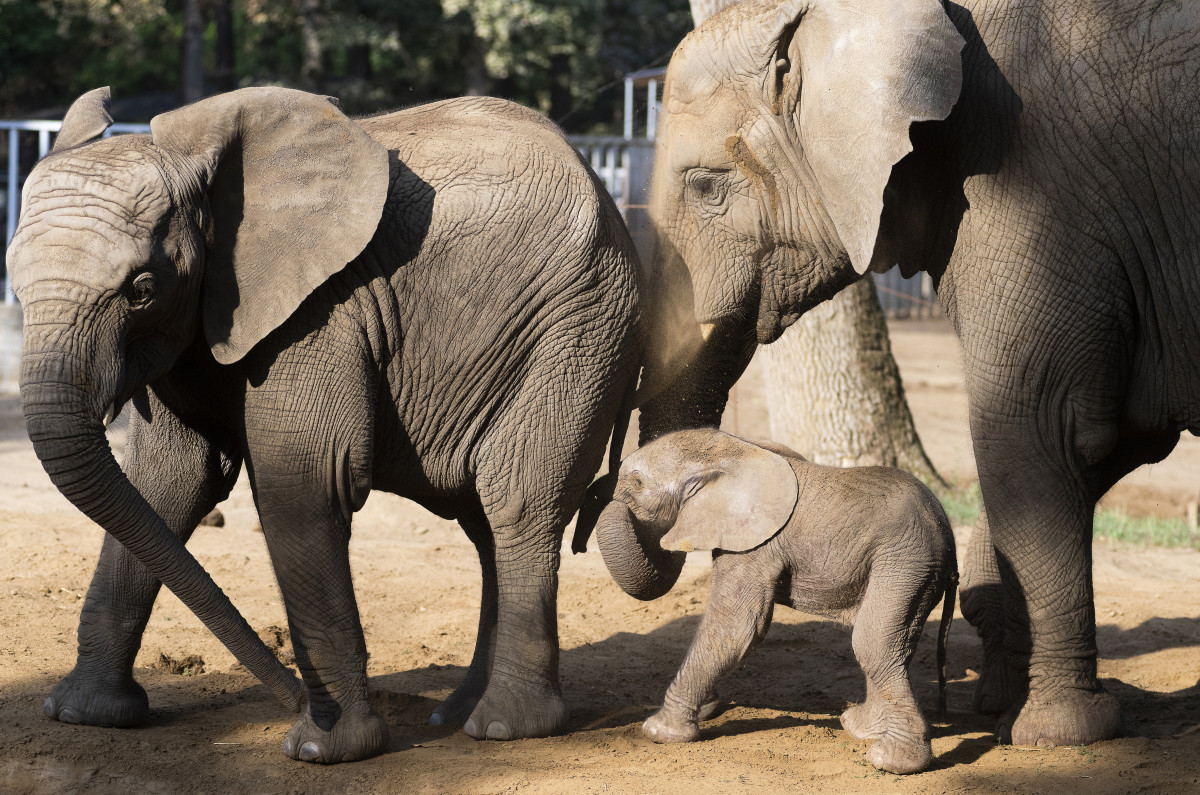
column 782, row 123
column 208, row 232
column 690, row 490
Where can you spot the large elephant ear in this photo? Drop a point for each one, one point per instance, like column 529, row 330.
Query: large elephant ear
column 852, row 76
column 296, row 191
column 740, row 503
column 86, row 119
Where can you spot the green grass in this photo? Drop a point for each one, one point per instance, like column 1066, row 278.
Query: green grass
column 962, row 506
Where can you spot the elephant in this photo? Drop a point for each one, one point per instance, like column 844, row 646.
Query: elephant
column 869, row 546
column 442, row 303
column 1038, row 162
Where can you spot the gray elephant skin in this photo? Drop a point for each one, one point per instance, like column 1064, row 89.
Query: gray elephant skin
column 1039, row 160
column 442, row 303
column 869, row 546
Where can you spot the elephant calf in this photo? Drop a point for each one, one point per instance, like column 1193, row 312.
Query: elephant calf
column 869, row 546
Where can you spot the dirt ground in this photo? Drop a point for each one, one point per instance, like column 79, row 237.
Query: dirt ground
column 418, row 587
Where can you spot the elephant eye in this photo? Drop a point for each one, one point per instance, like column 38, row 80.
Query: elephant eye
column 143, row 289
column 707, row 186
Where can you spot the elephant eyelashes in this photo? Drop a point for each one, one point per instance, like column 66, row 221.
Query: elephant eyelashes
column 143, row 289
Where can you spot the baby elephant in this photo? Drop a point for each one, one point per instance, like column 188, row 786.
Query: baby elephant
column 870, row 546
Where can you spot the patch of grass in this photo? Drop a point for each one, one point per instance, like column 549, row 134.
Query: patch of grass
column 1114, row 525
column 962, row 505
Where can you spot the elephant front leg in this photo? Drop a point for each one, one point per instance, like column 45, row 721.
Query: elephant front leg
column 523, row 697
column 309, row 547
column 182, row 475
column 738, row 614
column 1041, row 522
column 1002, row 680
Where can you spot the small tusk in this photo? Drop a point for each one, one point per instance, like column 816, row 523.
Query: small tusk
column 706, row 330
column 110, row 415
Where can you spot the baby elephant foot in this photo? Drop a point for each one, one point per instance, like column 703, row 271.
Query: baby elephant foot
column 511, row 709
column 1066, row 717
column 901, row 735
column 664, row 728
column 899, row 754
column 93, row 701
column 359, row 733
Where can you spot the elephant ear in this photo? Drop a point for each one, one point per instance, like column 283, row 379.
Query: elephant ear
column 296, row 191
column 86, row 119
column 852, row 76
column 739, row 504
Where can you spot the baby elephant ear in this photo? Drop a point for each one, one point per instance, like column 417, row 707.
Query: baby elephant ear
column 737, row 506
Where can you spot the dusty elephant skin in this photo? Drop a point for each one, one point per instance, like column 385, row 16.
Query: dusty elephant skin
column 441, row 303
column 1038, row 161
column 870, row 546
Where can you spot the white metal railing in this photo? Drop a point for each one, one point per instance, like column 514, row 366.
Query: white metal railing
column 11, row 195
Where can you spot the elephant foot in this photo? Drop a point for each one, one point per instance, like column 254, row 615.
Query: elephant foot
column 457, row 708
column 94, row 702
column 358, row 733
column 902, row 755
column 664, row 728
column 901, row 735
column 1065, row 717
column 999, row 689
column 511, row 709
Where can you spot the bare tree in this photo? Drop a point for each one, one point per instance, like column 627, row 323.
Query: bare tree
column 192, row 70
column 833, row 387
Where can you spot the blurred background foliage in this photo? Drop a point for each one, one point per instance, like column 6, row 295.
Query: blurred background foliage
column 562, row 57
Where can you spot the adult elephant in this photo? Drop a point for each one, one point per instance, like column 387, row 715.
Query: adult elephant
column 1039, row 160
column 442, row 303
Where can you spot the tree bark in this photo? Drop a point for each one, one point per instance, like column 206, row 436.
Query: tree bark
column 833, row 387
column 192, row 71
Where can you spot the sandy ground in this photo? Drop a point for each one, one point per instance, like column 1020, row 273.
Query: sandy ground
column 418, row 586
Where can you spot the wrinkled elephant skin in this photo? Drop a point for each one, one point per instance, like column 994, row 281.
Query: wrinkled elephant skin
column 1036, row 160
column 442, row 303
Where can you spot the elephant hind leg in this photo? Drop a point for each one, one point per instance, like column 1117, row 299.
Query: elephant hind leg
column 455, row 710
column 885, row 637
column 183, row 475
column 1002, row 681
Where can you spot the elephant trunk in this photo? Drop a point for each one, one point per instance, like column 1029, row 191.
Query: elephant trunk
column 643, row 569
column 696, row 397
column 59, row 399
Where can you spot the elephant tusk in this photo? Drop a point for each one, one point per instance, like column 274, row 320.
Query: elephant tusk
column 706, row 330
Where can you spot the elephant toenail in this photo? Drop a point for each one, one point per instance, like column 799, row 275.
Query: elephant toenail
column 288, row 745
column 48, row 707
column 69, row 716
column 497, row 731
column 435, row 719
column 469, row 728
column 309, row 752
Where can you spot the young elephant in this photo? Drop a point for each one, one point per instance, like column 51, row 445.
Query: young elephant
column 869, row 546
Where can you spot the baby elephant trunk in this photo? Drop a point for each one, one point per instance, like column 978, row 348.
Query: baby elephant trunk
column 643, row 569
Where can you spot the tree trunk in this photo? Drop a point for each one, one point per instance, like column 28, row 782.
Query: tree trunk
column 312, row 68
column 224, row 78
column 833, row 387
column 192, row 71
column 834, row 391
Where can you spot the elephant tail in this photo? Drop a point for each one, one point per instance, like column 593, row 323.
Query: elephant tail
column 943, row 637
column 600, row 493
